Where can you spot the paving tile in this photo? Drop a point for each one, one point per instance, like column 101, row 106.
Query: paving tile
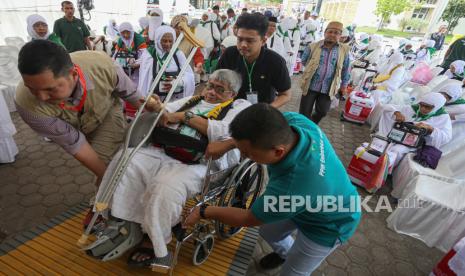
column 53, row 199
column 338, row 259
column 358, row 270
column 28, row 189
column 31, row 200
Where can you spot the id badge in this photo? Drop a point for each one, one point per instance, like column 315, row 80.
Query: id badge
column 252, row 97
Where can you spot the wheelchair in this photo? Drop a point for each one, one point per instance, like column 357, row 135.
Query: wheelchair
column 238, row 186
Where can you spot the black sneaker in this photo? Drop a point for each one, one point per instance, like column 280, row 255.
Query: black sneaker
column 271, row 261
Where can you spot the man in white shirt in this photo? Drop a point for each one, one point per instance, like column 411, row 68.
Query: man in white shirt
column 274, row 42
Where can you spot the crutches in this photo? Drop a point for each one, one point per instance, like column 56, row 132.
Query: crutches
column 103, row 199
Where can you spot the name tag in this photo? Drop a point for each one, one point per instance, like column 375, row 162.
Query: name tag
column 252, row 97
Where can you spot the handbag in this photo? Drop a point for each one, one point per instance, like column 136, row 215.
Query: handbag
column 428, row 156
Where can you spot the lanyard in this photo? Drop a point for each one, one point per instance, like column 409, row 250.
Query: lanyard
column 80, row 105
column 249, row 73
column 161, row 61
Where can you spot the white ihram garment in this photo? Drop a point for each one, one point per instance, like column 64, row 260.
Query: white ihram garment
column 155, row 187
column 8, row 148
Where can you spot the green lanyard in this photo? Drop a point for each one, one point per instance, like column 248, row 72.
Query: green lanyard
column 249, row 73
column 161, row 61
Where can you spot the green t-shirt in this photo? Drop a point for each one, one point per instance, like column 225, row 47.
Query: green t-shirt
column 311, row 170
column 71, row 33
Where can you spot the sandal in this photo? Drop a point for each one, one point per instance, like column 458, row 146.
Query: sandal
column 142, row 251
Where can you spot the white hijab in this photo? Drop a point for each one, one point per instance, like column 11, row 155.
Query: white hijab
column 430, row 43
column 112, row 31
column 229, row 41
column 154, row 22
column 373, row 45
column 453, row 90
column 435, row 99
column 363, row 37
column 126, row 26
column 143, row 22
column 395, row 59
column 33, row 19
column 161, row 31
column 459, row 66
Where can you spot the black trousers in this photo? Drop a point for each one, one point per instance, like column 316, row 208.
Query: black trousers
column 321, row 102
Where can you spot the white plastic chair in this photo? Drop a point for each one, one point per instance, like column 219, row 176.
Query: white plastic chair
column 15, row 41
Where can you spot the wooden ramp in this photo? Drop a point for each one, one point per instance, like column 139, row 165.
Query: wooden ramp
column 51, row 249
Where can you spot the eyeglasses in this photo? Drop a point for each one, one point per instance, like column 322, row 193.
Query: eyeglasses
column 336, row 32
column 218, row 89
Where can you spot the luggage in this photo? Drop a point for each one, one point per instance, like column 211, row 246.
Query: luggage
column 358, row 107
column 370, row 165
column 298, row 66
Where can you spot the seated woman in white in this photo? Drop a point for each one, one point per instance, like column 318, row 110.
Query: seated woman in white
column 429, row 113
column 426, row 51
column 389, row 79
column 153, row 59
column 456, row 70
column 372, row 56
column 455, row 104
column 155, row 186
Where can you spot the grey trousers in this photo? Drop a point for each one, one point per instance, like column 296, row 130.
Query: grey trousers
column 322, row 103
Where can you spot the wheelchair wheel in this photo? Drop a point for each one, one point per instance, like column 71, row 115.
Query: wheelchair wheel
column 203, row 249
column 244, row 187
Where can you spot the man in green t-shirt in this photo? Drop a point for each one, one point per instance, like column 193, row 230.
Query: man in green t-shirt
column 308, row 192
column 72, row 31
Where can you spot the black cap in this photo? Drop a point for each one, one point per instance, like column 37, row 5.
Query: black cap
column 216, row 7
column 273, row 19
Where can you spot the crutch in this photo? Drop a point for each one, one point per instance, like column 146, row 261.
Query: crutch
column 102, row 201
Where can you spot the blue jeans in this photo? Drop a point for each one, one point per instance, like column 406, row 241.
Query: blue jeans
column 302, row 255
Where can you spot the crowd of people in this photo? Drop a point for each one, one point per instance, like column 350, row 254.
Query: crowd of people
column 82, row 100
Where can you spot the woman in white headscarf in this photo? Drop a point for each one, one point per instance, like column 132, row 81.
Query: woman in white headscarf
column 389, row 79
column 144, row 25
column 37, row 28
column 372, row 56
column 111, row 30
column 362, row 44
column 225, row 27
column 152, row 60
column 128, row 49
column 455, row 103
column 155, row 21
column 456, row 70
column 429, row 114
column 426, row 51
column 208, row 31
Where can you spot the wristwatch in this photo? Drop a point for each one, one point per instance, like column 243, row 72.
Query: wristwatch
column 202, row 210
column 187, row 116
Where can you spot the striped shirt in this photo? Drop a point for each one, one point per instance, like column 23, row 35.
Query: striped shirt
column 324, row 75
column 63, row 133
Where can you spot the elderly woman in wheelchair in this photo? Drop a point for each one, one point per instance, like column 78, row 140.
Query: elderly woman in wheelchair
column 162, row 176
